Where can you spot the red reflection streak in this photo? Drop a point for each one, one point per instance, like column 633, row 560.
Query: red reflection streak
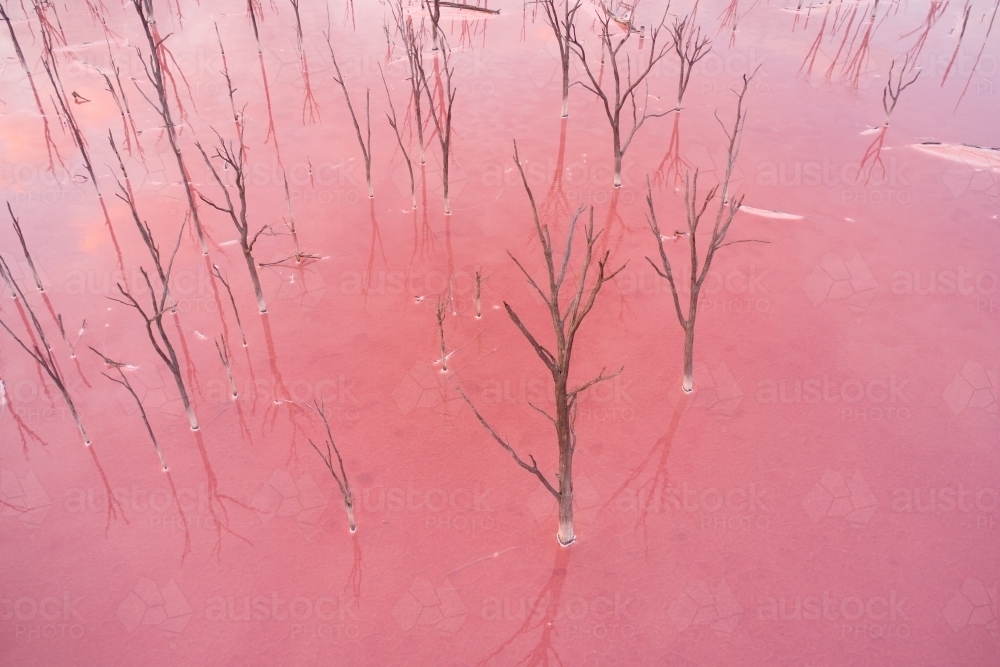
column 545, row 608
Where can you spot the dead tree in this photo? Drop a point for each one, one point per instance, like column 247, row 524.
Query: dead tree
column 478, row 299
column 309, row 105
column 566, row 321
column 434, row 9
column 695, row 207
column 42, row 354
column 562, row 25
column 366, row 146
column 442, row 115
column 892, row 91
column 414, row 47
column 232, row 300
column 690, row 46
column 223, row 349
column 232, row 158
column 159, row 304
column 157, row 74
column 24, row 248
column 331, row 451
column 50, row 145
column 123, row 380
column 625, row 84
column 394, row 124
column 441, row 312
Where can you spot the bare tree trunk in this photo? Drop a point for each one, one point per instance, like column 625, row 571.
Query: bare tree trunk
column 255, row 279
column 564, row 427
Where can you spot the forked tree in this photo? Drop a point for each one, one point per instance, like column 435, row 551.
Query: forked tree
column 43, row 357
column 725, row 206
column 561, row 20
column 159, row 299
column 892, row 91
column 619, row 100
column 41, row 354
column 159, row 76
column 341, row 479
column 232, row 157
column 568, row 305
column 690, row 46
column 441, row 113
column 366, row 146
column 414, row 46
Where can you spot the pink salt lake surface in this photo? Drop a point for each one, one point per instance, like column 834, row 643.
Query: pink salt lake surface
column 827, row 496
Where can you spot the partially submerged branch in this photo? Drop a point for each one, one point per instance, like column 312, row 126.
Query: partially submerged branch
column 341, row 479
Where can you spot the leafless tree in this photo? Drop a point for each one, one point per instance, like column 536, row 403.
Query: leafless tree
column 232, row 157
column 441, row 113
column 50, row 145
column 24, row 248
column 309, row 105
column 157, row 74
column 479, row 292
column 566, row 321
column 123, row 380
column 695, row 206
column 366, row 146
column 341, row 479
column 562, row 24
column 42, row 354
column 892, row 91
column 441, row 312
column 394, row 124
column 625, row 84
column 43, row 357
column 690, row 46
column 223, row 350
column 232, row 300
column 414, row 47
column 434, row 9
column 159, row 299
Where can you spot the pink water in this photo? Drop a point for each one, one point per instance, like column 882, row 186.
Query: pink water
column 827, row 496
